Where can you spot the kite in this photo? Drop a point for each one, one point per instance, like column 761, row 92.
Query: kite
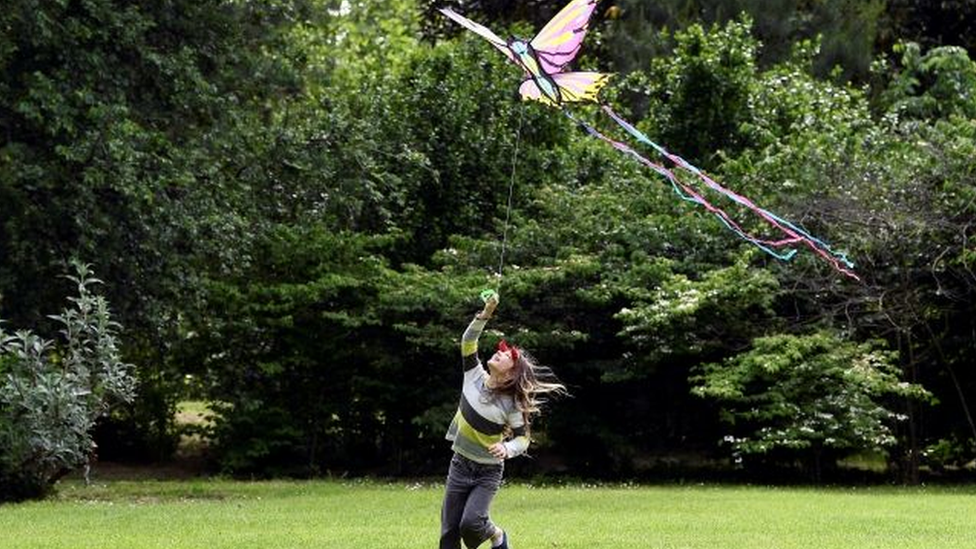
column 544, row 60
column 545, row 56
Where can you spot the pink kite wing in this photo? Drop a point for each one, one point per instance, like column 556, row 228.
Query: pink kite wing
column 481, row 30
column 559, row 41
column 574, row 87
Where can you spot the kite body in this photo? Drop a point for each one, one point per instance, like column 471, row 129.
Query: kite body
column 545, row 57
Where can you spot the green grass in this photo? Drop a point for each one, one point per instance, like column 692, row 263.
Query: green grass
column 371, row 515
column 193, row 412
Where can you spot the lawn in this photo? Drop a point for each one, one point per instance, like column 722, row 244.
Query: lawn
column 214, row 514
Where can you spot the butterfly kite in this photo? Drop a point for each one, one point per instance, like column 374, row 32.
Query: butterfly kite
column 544, row 60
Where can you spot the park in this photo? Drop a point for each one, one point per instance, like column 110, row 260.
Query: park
column 350, row 273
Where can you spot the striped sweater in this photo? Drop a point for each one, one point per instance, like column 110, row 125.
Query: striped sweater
column 482, row 416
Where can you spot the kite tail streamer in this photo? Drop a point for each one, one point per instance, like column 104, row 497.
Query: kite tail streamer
column 793, row 233
column 687, row 193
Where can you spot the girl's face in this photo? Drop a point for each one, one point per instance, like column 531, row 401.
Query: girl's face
column 501, row 364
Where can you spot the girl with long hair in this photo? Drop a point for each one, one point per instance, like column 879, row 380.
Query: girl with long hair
column 490, row 426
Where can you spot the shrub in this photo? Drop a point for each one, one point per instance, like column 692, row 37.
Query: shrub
column 816, row 397
column 53, row 392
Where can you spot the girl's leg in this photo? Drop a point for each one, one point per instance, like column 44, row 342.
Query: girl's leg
column 455, row 499
column 476, row 525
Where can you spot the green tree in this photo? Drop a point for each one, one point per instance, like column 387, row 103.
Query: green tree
column 931, row 23
column 847, row 29
column 935, row 85
column 135, row 133
column 816, row 397
column 886, row 175
column 696, row 100
column 309, row 354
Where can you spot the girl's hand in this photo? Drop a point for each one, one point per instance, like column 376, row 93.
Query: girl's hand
column 490, row 305
column 498, row 450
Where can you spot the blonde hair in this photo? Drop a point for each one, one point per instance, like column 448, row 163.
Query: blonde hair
column 528, row 383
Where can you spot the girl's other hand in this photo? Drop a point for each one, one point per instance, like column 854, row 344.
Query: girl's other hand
column 498, row 450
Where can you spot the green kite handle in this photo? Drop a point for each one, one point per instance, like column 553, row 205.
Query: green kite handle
column 487, row 294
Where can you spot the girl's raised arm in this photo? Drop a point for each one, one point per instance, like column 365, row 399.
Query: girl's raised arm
column 469, row 340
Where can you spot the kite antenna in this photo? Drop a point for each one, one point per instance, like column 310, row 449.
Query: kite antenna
column 511, row 187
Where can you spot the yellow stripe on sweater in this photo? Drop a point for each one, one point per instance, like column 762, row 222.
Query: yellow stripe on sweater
column 467, row 431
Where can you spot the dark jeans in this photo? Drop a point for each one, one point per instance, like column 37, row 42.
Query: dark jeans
column 470, row 489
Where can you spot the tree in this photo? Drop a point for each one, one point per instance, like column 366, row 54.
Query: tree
column 933, row 85
column 148, row 134
column 887, row 175
column 815, row 397
column 696, row 100
column 931, row 23
column 848, row 29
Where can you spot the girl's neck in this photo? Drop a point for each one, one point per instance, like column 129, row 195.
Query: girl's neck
column 494, row 381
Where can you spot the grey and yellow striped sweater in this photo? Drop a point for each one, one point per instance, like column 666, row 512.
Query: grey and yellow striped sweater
column 483, row 415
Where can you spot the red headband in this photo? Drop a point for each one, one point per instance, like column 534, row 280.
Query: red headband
column 512, row 350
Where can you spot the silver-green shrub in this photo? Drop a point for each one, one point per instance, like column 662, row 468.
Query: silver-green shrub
column 53, row 391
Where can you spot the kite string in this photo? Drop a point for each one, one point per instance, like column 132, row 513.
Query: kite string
column 511, row 188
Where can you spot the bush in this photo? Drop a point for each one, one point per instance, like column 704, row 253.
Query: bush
column 52, row 394
column 816, row 397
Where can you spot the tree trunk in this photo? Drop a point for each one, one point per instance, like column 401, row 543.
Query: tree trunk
column 910, row 471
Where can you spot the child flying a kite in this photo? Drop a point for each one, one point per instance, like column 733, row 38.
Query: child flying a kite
column 490, row 426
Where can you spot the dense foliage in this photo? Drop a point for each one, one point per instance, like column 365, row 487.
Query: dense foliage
column 294, row 205
column 817, row 396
